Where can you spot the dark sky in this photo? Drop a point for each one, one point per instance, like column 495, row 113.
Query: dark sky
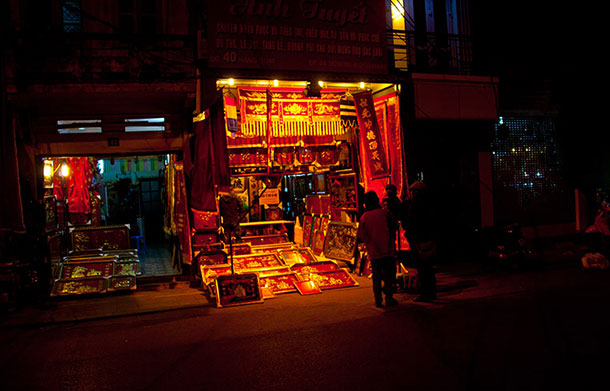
column 534, row 35
column 531, row 40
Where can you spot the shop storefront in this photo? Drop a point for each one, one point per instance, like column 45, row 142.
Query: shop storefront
column 298, row 164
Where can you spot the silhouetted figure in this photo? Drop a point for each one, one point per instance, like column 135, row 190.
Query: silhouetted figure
column 419, row 225
column 392, row 203
column 230, row 209
column 376, row 230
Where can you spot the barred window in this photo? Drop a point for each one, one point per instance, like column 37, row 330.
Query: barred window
column 528, row 184
column 71, row 16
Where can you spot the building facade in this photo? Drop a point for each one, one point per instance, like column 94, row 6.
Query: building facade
column 117, row 78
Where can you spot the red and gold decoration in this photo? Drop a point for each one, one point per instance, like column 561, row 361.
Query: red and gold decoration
column 78, row 183
column 280, row 283
column 82, row 270
column 256, row 261
column 110, row 237
column 297, row 256
column 204, row 219
column 294, row 117
column 316, row 267
column 238, row 289
column 371, row 140
column 307, row 287
column 332, row 279
column 122, row 283
column 64, row 288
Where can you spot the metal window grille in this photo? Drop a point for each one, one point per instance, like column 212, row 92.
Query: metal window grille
column 528, row 185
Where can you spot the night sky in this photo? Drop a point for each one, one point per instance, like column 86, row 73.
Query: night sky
column 526, row 41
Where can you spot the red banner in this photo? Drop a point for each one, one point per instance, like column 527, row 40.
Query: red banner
column 292, row 116
column 370, row 135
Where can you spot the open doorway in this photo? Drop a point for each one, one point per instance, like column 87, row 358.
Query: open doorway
column 100, row 191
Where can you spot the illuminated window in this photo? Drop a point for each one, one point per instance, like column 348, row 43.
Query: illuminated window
column 396, row 18
column 145, row 124
column 79, row 126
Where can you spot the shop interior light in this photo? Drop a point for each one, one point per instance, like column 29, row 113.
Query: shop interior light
column 65, row 170
column 231, row 81
column 321, row 83
column 48, row 169
column 276, row 82
column 362, row 85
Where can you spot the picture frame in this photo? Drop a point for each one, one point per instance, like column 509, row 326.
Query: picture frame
column 108, row 237
column 86, row 270
column 291, row 256
column 211, row 258
column 131, row 268
column 272, row 271
column 307, row 255
column 210, row 273
column 280, row 283
column 324, row 223
column 334, row 279
column 317, row 244
column 80, row 287
column 122, row 283
column 344, row 192
column 238, row 289
column 241, row 248
column 317, row 267
column 267, row 293
column 308, row 287
column 307, row 229
column 257, row 261
column 340, row 241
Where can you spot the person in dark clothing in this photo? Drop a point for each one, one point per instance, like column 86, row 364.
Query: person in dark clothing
column 392, row 203
column 230, row 210
column 418, row 223
column 376, row 230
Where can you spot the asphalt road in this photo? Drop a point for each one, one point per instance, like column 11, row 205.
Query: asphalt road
column 537, row 330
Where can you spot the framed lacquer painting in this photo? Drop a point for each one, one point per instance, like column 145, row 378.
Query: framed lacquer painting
column 238, row 289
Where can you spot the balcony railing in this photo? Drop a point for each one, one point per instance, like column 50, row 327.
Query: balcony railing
column 430, row 52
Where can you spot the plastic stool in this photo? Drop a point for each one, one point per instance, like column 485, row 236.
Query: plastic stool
column 140, row 243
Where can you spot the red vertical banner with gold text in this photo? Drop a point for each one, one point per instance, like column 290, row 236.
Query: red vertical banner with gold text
column 370, row 135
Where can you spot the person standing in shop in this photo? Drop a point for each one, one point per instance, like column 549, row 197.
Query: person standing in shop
column 230, row 209
column 376, row 230
column 419, row 225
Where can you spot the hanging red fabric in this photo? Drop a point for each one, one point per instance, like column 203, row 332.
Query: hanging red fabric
column 78, row 182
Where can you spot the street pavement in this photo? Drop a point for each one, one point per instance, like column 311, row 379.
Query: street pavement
column 456, row 282
column 538, row 328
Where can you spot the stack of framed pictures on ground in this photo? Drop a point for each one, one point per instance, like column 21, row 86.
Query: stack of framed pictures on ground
column 95, row 273
column 287, row 271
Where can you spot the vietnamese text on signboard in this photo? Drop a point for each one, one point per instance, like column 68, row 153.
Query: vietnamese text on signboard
column 312, row 35
column 270, row 197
